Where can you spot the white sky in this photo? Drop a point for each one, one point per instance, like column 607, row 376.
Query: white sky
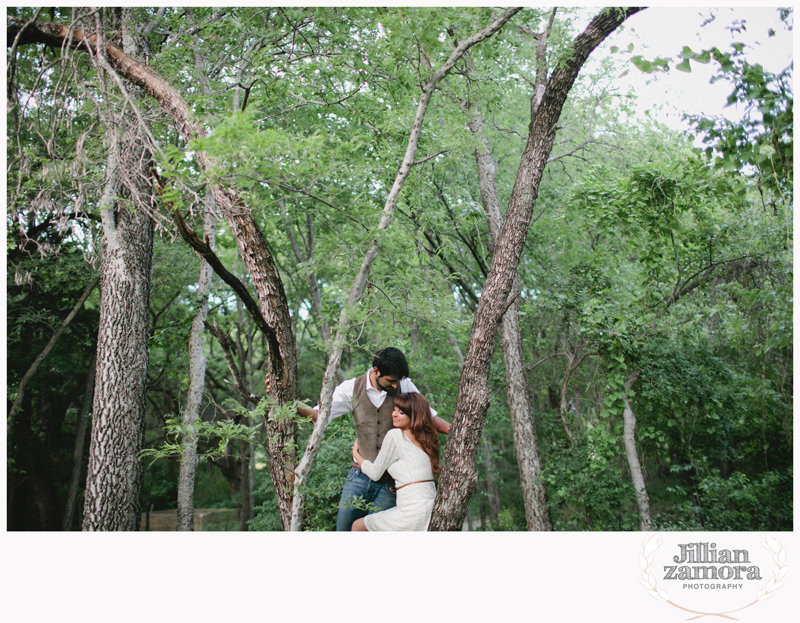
column 663, row 31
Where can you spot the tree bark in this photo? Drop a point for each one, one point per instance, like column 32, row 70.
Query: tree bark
column 197, row 360
column 282, row 361
column 458, row 475
column 629, row 435
column 197, row 371
column 526, row 445
column 360, row 282
column 80, row 442
column 115, row 475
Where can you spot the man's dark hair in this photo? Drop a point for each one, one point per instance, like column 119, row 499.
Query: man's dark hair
column 391, row 362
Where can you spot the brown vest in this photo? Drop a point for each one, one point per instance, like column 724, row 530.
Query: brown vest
column 371, row 424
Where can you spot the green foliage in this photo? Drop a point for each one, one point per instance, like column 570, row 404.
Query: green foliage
column 216, row 434
column 504, row 523
column 325, row 484
column 649, row 67
column 587, row 488
column 763, row 141
column 211, row 488
column 643, row 255
column 630, row 291
column 327, row 479
column 733, row 503
column 266, row 516
column 160, row 486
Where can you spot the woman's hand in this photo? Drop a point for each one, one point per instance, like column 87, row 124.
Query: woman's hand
column 356, row 454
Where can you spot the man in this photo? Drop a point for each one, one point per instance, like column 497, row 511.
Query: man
column 370, row 399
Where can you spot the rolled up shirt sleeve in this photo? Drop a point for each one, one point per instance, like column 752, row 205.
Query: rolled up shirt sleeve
column 342, row 399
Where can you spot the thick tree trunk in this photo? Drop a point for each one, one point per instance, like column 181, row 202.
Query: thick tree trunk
column 80, row 442
column 114, row 481
column 629, row 435
column 458, row 475
column 282, row 362
column 526, row 445
column 197, row 371
column 115, row 474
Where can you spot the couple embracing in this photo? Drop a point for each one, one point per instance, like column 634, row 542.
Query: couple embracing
column 396, row 454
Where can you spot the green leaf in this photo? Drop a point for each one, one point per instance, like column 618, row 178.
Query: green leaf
column 643, row 65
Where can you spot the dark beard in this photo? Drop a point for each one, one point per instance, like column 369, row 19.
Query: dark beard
column 388, row 389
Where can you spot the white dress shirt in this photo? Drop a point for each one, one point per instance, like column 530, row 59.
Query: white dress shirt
column 342, row 401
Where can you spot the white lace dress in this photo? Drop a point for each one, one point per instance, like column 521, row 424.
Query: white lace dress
column 406, row 463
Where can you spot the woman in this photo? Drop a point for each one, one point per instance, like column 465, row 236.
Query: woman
column 410, row 452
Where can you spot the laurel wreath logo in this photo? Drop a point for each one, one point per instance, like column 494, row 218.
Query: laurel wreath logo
column 648, row 580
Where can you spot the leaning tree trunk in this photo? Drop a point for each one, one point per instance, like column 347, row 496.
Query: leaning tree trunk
column 274, row 309
column 115, row 476
column 526, row 445
column 458, row 478
column 629, row 436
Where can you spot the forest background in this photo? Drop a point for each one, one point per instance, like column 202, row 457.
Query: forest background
column 654, row 290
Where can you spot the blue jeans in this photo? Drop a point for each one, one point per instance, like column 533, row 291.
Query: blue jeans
column 362, row 496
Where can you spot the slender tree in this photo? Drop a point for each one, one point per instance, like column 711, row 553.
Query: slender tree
column 197, row 372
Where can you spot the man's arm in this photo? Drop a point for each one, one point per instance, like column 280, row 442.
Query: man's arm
column 441, row 425
column 306, row 411
column 342, row 401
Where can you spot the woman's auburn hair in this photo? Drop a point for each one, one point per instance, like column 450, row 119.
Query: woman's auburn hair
column 417, row 408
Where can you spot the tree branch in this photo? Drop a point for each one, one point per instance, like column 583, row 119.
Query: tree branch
column 205, row 251
column 227, row 352
column 699, row 278
column 38, row 361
